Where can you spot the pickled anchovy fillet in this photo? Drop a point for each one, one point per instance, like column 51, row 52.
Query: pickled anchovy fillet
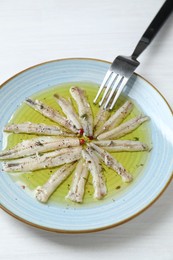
column 47, row 160
column 77, row 188
column 84, row 110
column 96, row 170
column 44, row 192
column 124, row 128
column 112, row 163
column 52, row 114
column 38, row 129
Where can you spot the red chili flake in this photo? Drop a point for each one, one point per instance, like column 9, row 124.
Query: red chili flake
column 23, row 187
column 91, row 137
column 82, row 141
column 81, row 131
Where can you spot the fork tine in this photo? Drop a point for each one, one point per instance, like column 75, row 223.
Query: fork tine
column 117, row 83
column 106, row 78
column 110, row 83
column 121, row 87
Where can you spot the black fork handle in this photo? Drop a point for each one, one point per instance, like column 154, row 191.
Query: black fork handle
column 153, row 28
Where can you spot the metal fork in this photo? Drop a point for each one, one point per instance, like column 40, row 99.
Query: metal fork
column 123, row 67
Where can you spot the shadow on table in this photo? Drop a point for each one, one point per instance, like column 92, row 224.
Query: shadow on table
column 143, row 225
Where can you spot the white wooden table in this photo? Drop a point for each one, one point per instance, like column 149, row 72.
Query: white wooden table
column 34, row 31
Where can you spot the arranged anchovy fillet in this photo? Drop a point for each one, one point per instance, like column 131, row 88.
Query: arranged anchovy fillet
column 84, row 109
column 124, row 128
column 46, row 160
column 96, row 171
column 38, row 129
column 100, row 119
column 38, row 145
column 51, row 114
column 112, row 163
column 44, row 192
column 68, row 110
column 77, row 188
column 118, row 116
column 122, row 145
